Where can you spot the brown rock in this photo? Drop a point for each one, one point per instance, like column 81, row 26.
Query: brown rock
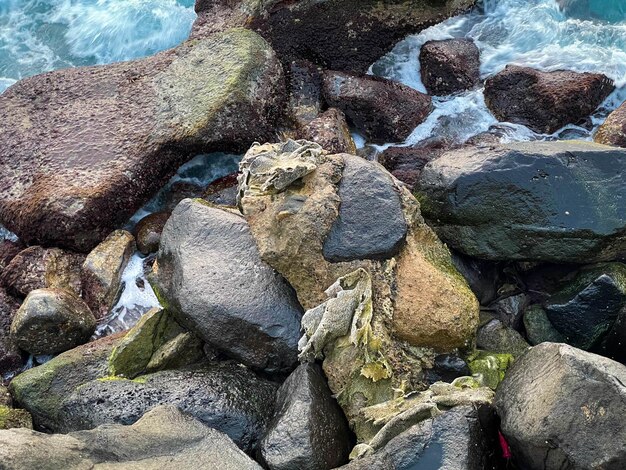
column 178, row 191
column 383, row 109
column 406, row 163
column 613, row 130
column 449, row 66
column 37, row 267
column 331, row 131
column 305, row 92
column 545, row 101
column 148, row 231
column 11, row 358
column 222, row 191
column 8, row 307
column 81, row 149
column 8, row 250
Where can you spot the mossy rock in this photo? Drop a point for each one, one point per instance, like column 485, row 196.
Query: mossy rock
column 491, row 366
column 12, row 418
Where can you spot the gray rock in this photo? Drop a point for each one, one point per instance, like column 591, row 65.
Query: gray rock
column 538, row 327
column 371, row 223
column 510, row 310
column 224, row 396
column 210, row 276
column 309, row 431
column 163, row 438
column 501, row 339
column 52, row 321
column 449, row 66
column 543, row 201
column 561, row 407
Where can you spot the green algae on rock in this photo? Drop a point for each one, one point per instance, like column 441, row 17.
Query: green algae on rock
column 491, row 366
column 14, row 418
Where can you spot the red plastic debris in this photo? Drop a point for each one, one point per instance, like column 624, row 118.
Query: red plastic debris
column 506, row 451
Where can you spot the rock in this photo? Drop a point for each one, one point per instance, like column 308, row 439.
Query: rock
column 5, row 397
column 180, row 190
column 8, row 250
column 464, row 438
column 157, row 341
column 449, row 66
column 305, row 92
column 545, row 101
column 538, row 327
column 382, row 109
column 510, row 310
column 8, row 307
column 42, row 389
column 502, row 339
column 483, row 277
column 331, row 131
column 148, row 231
column 406, row 163
column 164, row 437
column 37, row 268
column 224, row 396
column 12, row 418
column 309, row 430
column 81, row 149
column 11, row 358
column 446, row 368
column 607, row 10
column 222, row 191
column 613, row 130
column 209, row 275
column 102, row 270
column 551, row 422
column 492, row 367
column 514, row 202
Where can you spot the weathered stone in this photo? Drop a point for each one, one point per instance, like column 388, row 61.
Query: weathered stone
column 370, row 224
column 81, row 149
column 101, row 273
column 406, row 163
column 449, row 66
column 5, row 397
column 563, row 408
column 545, row 101
column 222, row 191
column 210, row 277
column 499, row 338
column 51, row 321
column 514, row 202
column 491, row 366
column 8, row 250
column 12, row 418
column 382, row 109
column 538, row 327
column 510, row 309
column 305, row 92
column 8, row 307
column 613, row 130
column 223, row 395
column 37, row 268
column 331, row 131
column 148, row 231
column 12, row 359
column 309, row 431
column 164, row 437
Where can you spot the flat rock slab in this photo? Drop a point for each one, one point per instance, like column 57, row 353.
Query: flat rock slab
column 82, row 149
column 543, row 201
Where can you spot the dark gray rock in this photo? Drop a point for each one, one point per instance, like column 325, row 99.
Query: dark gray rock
column 449, row 66
column 446, row 368
column 538, row 327
column 210, row 276
column 544, row 201
column 371, row 222
column 224, row 396
column 561, row 407
column 305, row 91
column 510, row 310
column 498, row 338
column 309, row 431
column 148, row 231
column 483, row 277
column 163, row 438
column 464, row 438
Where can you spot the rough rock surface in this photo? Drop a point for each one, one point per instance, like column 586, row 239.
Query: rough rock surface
column 222, row 191
column 81, row 149
column 305, row 92
column 563, row 408
column 210, row 277
column 538, row 327
column 8, row 250
column 224, row 396
column 51, row 321
column 545, row 101
column 499, row 338
column 449, row 66
column 163, row 438
column 14, row 418
column 515, row 201
column 148, row 231
column 382, row 109
column 309, row 431
column 613, row 130
column 331, row 131
column 406, row 163
column 101, row 273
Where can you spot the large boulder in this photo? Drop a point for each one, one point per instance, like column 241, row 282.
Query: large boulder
column 514, row 202
column 561, row 407
column 164, row 437
column 382, row 109
column 545, row 101
column 449, row 66
column 210, row 276
column 81, row 149
column 613, row 130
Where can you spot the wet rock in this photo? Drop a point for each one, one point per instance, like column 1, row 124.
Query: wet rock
column 12, row 418
column 514, row 202
column 180, row 190
column 148, row 232
column 446, row 368
column 101, row 272
column 8, row 250
column 464, row 438
column 76, row 137
column 331, row 131
column 42, row 389
column 499, row 338
column 370, row 223
column 550, row 421
column 163, row 437
column 510, row 310
column 492, row 367
column 449, row 66
column 406, row 163
column 483, row 277
column 613, row 130
column 210, row 277
column 309, row 430
column 5, row 397
column 224, row 396
column 305, row 92
column 545, row 101
column 8, row 307
column 382, row 109
column 222, row 191
column 51, row 321
column 37, row 268
column 538, row 327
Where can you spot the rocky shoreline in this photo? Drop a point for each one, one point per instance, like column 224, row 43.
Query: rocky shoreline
column 442, row 305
